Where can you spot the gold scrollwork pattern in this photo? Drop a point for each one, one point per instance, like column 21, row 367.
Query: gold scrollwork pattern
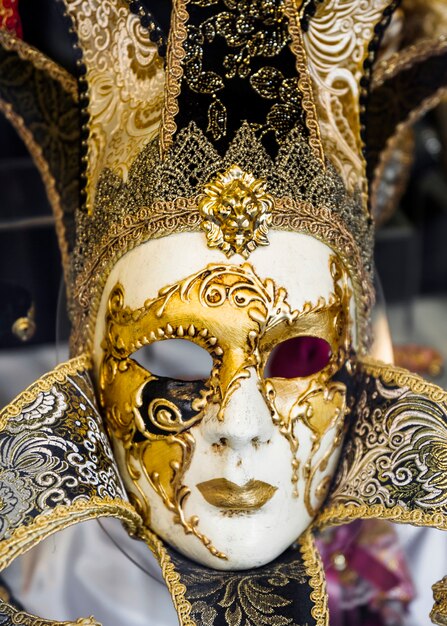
column 394, row 462
column 153, row 436
column 227, row 292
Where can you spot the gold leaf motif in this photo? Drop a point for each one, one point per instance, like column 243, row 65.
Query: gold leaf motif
column 236, row 212
column 217, row 119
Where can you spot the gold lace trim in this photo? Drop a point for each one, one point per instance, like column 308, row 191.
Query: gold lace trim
column 25, row 619
column 342, row 513
column 390, row 374
column 171, row 577
column 407, row 58
column 58, row 375
column 305, row 84
column 26, row 52
column 174, row 73
column 61, row 517
column 315, row 571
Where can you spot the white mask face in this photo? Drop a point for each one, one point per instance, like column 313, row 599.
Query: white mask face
column 228, row 433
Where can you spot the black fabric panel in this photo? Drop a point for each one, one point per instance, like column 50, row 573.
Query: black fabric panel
column 241, row 101
column 277, row 593
column 391, row 103
column 52, row 117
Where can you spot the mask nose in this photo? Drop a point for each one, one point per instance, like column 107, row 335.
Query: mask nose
column 246, row 422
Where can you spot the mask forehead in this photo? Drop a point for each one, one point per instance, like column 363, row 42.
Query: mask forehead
column 296, row 261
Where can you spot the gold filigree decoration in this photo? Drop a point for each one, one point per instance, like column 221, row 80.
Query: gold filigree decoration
column 125, row 79
column 236, row 211
column 58, row 375
column 25, row 619
column 393, row 465
column 197, row 308
column 315, row 571
column 438, row 614
column 316, row 401
column 63, row 516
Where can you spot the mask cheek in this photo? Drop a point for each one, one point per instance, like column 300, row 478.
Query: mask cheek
column 322, row 408
column 310, row 414
column 163, row 461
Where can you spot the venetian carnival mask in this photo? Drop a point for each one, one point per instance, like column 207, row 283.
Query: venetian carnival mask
column 230, row 467
column 213, row 182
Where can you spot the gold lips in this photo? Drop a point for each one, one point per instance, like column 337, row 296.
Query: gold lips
column 224, row 494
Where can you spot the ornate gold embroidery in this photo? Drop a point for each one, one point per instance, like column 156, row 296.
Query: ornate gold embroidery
column 62, row 516
column 314, row 569
column 125, row 82
column 236, row 211
column 334, row 515
column 336, row 44
column 394, row 462
column 305, row 85
column 58, row 375
column 250, row 34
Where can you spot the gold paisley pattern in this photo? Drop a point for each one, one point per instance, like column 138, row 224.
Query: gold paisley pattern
column 125, row 85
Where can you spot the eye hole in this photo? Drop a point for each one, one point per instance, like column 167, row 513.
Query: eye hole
column 298, row 357
column 179, row 359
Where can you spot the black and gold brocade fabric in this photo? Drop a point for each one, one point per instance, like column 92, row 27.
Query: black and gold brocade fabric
column 279, row 593
column 394, row 462
column 238, row 66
